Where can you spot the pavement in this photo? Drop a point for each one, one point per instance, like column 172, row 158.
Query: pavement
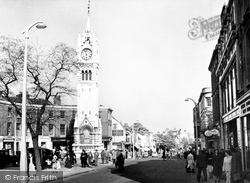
column 63, row 172
column 77, row 169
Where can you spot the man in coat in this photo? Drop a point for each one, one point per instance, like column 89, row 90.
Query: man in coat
column 201, row 164
column 84, row 157
column 209, row 163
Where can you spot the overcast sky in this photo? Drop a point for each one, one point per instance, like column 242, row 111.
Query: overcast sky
column 148, row 64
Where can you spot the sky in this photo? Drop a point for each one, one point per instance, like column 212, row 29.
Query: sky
column 148, row 64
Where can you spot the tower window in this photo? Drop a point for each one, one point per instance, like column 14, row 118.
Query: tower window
column 86, row 73
column 82, row 75
column 90, row 75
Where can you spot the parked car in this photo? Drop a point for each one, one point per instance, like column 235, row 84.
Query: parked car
column 154, row 154
column 44, row 155
column 145, row 154
column 6, row 159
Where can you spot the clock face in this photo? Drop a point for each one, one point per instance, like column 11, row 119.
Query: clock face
column 86, row 54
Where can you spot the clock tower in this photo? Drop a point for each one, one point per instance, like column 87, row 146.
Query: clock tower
column 87, row 126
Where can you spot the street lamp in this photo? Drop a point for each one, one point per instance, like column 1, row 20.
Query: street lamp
column 133, row 140
column 195, row 122
column 23, row 159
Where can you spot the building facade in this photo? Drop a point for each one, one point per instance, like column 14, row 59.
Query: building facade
column 106, row 120
column 118, row 134
column 208, row 140
column 230, row 73
column 55, row 133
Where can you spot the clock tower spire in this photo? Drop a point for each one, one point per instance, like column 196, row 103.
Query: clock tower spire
column 87, row 126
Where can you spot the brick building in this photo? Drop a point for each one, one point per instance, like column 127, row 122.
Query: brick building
column 230, row 75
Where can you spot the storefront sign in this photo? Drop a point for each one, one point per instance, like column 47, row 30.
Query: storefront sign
column 117, row 132
column 208, row 133
column 215, row 132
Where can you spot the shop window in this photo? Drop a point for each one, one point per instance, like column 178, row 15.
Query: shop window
column 62, row 129
column 9, row 111
column 18, row 129
column 9, row 129
column 43, row 144
column 51, row 129
column 50, row 114
column 62, row 114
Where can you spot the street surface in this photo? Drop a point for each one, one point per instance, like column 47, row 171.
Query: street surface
column 148, row 170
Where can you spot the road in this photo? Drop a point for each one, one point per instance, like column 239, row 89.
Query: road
column 146, row 170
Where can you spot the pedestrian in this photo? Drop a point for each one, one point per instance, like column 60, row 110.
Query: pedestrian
column 167, row 154
column 84, row 157
column 31, row 163
column 163, row 154
column 102, row 156
column 113, row 156
column 48, row 163
column 90, row 157
column 55, row 164
column 106, row 156
column 171, row 154
column 217, row 163
column 227, row 162
column 96, row 157
column 222, row 153
column 68, row 162
column 185, row 154
column 237, row 166
column 120, row 159
column 209, row 163
column 190, row 162
column 201, row 164
column 73, row 156
column 54, row 153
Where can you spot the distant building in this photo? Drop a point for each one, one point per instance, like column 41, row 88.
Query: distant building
column 106, row 120
column 56, row 133
column 119, row 134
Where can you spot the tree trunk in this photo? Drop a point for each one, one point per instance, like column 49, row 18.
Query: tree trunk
column 37, row 153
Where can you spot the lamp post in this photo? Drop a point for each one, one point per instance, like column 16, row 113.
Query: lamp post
column 23, row 159
column 195, row 122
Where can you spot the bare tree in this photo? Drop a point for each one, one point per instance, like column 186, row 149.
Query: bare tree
column 48, row 77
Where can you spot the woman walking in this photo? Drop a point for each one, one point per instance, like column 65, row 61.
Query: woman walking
column 227, row 166
column 90, row 157
column 32, row 168
column 68, row 162
column 217, row 163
